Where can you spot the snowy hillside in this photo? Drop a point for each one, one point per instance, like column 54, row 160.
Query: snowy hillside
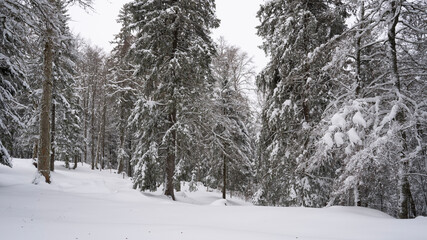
column 84, row 204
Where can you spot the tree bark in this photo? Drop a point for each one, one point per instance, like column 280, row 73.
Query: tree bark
column 359, row 50
column 104, row 120
column 406, row 204
column 35, row 149
column 93, row 125
column 121, row 159
column 170, row 159
column 45, row 141
column 129, row 167
column 86, row 114
column 52, row 137
column 224, row 177
column 98, row 150
column 172, row 143
column 76, row 158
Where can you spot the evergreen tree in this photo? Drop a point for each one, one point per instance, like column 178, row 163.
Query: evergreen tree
column 172, row 51
column 123, row 87
column 297, row 92
column 14, row 42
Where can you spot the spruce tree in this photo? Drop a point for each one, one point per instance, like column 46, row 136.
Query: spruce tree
column 172, row 52
column 14, row 44
column 296, row 93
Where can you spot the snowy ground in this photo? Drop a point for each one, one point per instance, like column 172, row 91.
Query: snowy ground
column 84, row 204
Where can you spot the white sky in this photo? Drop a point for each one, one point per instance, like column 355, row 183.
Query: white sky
column 238, row 22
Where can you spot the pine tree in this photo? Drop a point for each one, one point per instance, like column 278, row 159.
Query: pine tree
column 123, row 87
column 296, row 92
column 52, row 22
column 173, row 51
column 14, row 17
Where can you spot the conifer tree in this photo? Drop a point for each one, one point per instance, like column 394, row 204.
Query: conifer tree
column 172, row 51
column 123, row 87
column 13, row 48
column 296, row 92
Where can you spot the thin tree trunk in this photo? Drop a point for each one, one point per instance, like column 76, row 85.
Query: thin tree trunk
column 170, row 159
column 35, row 149
column 129, row 161
column 52, row 154
column 359, row 50
column 405, row 195
column 35, row 152
column 224, row 177
column 93, row 125
column 86, row 114
column 172, row 142
column 104, row 119
column 76, row 159
column 121, row 158
column 44, row 150
column 98, row 150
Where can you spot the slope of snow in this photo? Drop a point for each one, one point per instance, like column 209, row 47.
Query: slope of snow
column 84, row 204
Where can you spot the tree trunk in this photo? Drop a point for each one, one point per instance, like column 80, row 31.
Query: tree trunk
column 406, row 210
column 224, row 177
column 86, row 114
column 35, row 149
column 93, row 125
column 359, row 50
column 170, row 159
column 98, row 150
column 44, row 149
column 52, row 137
column 35, row 152
column 129, row 167
column 121, row 158
column 172, row 142
column 104, row 119
column 76, row 158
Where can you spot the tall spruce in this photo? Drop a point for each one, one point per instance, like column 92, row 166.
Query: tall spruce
column 15, row 18
column 296, row 92
column 173, row 51
column 123, row 87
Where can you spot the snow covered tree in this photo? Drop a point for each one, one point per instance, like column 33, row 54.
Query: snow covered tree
column 172, row 52
column 91, row 71
column 296, row 94
column 231, row 144
column 14, row 17
column 65, row 134
column 123, row 87
column 372, row 132
column 51, row 19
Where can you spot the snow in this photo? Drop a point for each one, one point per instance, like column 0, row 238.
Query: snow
column 83, row 204
column 338, row 120
column 327, row 139
column 354, row 137
column 339, row 138
column 287, row 103
column 359, row 120
column 391, row 115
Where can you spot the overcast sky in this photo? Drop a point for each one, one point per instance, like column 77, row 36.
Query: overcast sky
column 238, row 22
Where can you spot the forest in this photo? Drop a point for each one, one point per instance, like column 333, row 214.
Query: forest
column 343, row 116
